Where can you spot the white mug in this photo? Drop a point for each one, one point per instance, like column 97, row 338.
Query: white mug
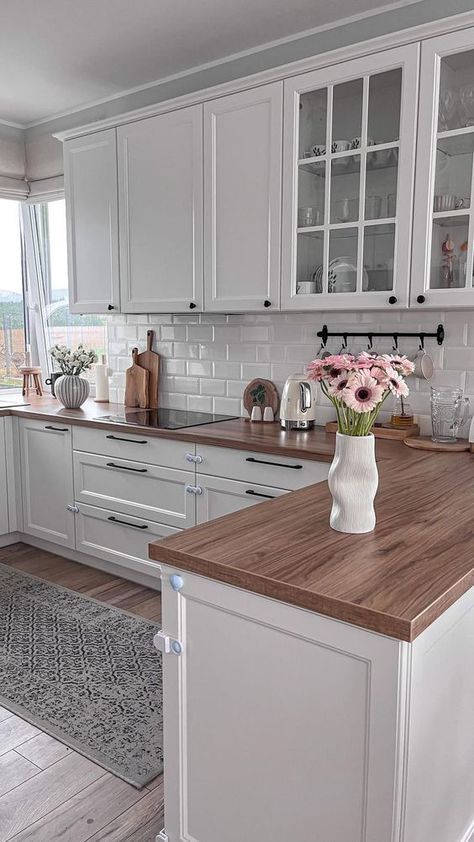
column 306, row 287
column 424, row 366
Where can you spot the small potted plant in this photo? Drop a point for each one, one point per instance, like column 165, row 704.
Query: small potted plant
column 72, row 389
column 357, row 386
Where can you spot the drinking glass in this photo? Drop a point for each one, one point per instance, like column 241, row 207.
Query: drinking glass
column 449, row 411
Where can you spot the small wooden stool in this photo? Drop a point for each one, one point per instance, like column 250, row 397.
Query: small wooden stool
column 31, row 380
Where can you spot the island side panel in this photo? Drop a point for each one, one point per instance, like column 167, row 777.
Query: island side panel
column 440, row 781
column 280, row 724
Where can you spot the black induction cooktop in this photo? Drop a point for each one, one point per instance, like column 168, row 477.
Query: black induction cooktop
column 164, row 419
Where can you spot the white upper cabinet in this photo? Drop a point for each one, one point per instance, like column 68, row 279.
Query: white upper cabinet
column 90, row 183
column 349, row 155
column 242, row 178
column 443, row 236
column 160, row 199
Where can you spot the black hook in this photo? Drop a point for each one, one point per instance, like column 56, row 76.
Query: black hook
column 344, row 341
column 422, row 341
column 370, row 337
column 395, row 341
column 324, row 335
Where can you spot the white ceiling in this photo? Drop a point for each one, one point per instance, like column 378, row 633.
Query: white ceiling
column 59, row 55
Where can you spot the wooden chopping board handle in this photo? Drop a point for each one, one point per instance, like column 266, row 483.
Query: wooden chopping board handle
column 150, row 335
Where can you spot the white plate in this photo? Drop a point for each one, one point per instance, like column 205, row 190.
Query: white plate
column 342, row 276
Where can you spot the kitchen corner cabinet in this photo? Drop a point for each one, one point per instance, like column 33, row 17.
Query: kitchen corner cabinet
column 90, row 185
column 161, row 213
column 284, row 725
column 47, row 481
column 348, row 169
column 443, row 237
column 242, row 185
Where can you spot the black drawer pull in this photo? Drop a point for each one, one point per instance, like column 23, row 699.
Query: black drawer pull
column 126, row 523
column 57, row 429
column 129, row 441
column 277, row 464
column 256, row 494
column 126, row 468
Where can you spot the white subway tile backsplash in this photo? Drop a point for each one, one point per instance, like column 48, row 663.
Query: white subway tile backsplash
column 209, row 358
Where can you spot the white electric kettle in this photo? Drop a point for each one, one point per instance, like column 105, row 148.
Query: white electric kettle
column 298, row 403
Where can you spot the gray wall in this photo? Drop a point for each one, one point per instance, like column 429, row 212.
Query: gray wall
column 12, row 152
column 44, row 153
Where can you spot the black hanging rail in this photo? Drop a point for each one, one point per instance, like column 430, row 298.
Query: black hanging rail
column 324, row 335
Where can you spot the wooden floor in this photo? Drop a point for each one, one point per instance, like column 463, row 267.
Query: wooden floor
column 49, row 792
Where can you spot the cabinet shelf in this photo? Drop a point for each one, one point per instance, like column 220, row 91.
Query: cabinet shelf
column 338, row 226
column 346, row 163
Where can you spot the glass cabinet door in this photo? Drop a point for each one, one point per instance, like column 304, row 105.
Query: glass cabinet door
column 348, row 169
column 444, row 231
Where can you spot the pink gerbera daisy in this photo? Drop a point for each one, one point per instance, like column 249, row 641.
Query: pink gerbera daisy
column 338, row 384
column 363, row 393
column 396, row 383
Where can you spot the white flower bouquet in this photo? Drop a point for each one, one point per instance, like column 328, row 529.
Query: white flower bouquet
column 359, row 385
column 73, row 362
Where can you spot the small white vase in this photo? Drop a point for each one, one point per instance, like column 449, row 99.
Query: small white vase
column 353, row 480
column 72, row 390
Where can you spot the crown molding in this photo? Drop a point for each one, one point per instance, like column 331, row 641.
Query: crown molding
column 228, row 59
column 372, row 45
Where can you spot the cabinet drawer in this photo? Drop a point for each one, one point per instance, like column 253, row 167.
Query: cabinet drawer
column 118, row 538
column 140, row 448
column 262, row 468
column 220, row 496
column 155, row 493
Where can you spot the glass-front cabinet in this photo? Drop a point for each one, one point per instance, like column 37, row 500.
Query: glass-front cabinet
column 443, row 236
column 349, row 140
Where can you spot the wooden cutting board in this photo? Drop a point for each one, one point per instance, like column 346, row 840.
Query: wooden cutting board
column 150, row 361
column 427, row 443
column 136, row 384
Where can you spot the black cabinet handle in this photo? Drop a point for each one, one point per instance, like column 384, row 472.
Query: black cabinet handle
column 57, row 429
column 392, row 299
column 110, row 307
column 267, row 303
column 277, row 464
column 256, row 494
column 126, row 468
column 420, row 299
column 192, row 306
column 129, row 441
column 126, row 523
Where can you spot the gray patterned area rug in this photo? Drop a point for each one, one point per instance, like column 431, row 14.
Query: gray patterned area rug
column 84, row 672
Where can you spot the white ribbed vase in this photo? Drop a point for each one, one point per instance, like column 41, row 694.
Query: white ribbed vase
column 353, row 481
column 72, row 390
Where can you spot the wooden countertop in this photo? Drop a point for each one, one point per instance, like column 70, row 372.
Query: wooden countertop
column 238, row 434
column 395, row 581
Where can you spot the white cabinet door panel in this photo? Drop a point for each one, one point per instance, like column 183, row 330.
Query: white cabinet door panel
column 223, row 496
column 47, row 486
column 4, row 527
column 90, row 185
column 160, row 197
column 290, row 717
column 146, row 491
column 242, row 172
column 261, row 468
column 120, row 538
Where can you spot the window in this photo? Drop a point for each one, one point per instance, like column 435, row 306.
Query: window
column 12, row 317
column 64, row 328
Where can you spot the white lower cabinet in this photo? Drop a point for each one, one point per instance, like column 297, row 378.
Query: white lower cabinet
column 220, row 496
column 120, row 538
column 47, row 483
column 261, row 468
column 280, row 724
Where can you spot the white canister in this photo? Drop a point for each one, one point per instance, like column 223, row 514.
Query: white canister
column 102, row 374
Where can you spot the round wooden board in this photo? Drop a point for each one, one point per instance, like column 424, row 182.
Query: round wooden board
column 271, row 396
column 427, row 443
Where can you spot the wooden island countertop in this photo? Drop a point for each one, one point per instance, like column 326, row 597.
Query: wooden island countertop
column 396, row 580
